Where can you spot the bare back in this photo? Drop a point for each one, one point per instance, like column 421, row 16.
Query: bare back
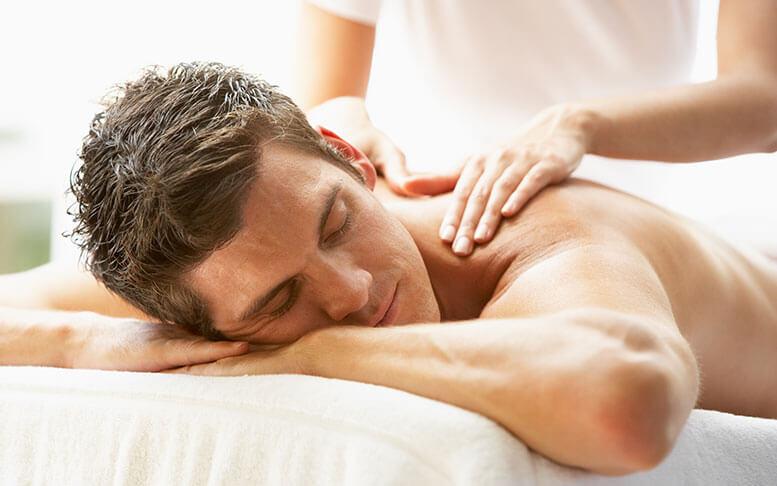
column 724, row 299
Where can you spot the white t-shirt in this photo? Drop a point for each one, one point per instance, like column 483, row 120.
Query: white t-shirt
column 450, row 76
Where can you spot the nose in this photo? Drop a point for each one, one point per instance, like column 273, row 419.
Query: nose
column 344, row 288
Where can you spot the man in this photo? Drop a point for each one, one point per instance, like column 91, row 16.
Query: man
column 205, row 199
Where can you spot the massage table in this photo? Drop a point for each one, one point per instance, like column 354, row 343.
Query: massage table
column 88, row 427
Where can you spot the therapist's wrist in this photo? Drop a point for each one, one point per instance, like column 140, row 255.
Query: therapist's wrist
column 583, row 120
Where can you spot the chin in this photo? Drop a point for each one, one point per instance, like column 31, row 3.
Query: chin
column 416, row 305
column 427, row 313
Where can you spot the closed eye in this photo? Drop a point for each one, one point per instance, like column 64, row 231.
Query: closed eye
column 293, row 293
column 331, row 239
column 340, row 232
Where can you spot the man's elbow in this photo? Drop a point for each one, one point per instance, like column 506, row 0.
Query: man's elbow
column 645, row 410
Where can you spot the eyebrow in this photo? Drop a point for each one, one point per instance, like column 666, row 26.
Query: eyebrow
column 258, row 304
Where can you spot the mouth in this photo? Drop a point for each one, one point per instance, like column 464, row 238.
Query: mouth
column 389, row 310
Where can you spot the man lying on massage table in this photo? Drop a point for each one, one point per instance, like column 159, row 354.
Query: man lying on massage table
column 589, row 327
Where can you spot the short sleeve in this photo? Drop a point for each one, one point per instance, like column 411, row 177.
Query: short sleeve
column 362, row 11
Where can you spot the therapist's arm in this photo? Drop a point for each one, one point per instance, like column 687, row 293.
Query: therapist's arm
column 734, row 114
column 333, row 63
column 333, row 57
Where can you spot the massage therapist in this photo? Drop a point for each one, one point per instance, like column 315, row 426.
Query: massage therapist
column 500, row 99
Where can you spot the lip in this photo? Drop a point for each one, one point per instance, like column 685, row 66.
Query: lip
column 390, row 314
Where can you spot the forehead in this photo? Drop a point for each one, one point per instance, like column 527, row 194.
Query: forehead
column 280, row 212
column 287, row 176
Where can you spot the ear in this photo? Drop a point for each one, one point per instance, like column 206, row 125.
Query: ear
column 356, row 156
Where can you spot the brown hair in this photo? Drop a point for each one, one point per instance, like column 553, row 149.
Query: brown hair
column 166, row 168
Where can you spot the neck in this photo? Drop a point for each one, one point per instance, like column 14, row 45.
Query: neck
column 451, row 276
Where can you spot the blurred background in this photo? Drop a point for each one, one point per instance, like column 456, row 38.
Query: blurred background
column 59, row 58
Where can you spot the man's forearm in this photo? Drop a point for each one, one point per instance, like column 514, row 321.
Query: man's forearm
column 732, row 115
column 33, row 337
column 561, row 385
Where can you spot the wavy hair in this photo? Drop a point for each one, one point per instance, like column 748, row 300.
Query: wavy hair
column 165, row 170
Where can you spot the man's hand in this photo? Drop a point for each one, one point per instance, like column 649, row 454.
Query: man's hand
column 132, row 345
column 262, row 360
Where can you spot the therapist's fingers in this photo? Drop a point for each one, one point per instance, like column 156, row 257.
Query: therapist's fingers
column 390, row 161
column 473, row 169
column 432, row 184
column 539, row 176
column 503, row 187
column 476, row 203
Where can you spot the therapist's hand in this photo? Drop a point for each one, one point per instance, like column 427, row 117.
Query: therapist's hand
column 388, row 159
column 133, row 345
column 347, row 116
column 496, row 184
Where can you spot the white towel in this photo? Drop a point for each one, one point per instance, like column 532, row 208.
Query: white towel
column 95, row 427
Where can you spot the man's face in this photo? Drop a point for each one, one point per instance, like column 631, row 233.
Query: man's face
column 316, row 249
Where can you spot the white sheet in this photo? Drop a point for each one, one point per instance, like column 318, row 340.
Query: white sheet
column 96, row 427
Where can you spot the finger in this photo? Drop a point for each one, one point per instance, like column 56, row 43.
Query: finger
column 431, row 184
column 535, row 180
column 469, row 177
column 181, row 370
column 253, row 363
column 504, row 186
column 218, row 368
column 193, row 351
column 434, row 184
column 476, row 203
column 393, row 165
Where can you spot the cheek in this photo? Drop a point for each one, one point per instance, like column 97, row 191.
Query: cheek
column 421, row 304
column 378, row 233
column 389, row 249
column 298, row 321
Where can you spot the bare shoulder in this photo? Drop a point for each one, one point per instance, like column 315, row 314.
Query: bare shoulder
column 566, row 217
column 577, row 243
column 574, row 246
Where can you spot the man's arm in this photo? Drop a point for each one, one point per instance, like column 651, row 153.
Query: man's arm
column 579, row 358
column 58, row 315
column 34, row 338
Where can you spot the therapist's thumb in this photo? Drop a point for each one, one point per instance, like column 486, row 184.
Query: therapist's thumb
column 432, row 184
column 394, row 169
